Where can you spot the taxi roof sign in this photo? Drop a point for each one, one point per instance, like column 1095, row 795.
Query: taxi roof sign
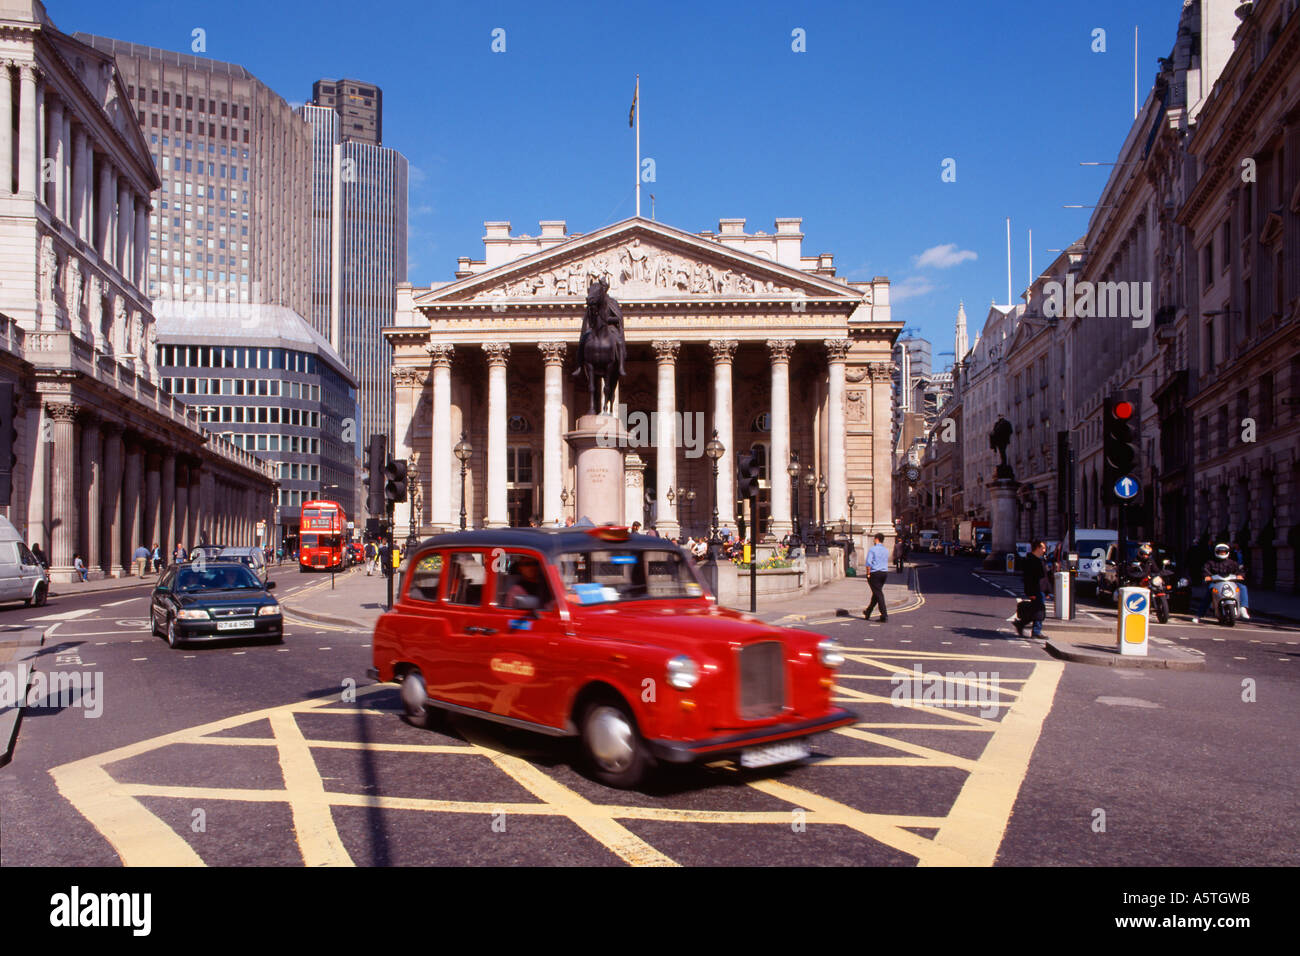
column 610, row 532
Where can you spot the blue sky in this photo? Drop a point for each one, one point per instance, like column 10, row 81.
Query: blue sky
column 849, row 135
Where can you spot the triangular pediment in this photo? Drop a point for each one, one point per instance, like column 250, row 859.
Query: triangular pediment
column 642, row 260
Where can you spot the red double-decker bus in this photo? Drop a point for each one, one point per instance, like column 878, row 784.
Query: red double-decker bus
column 322, row 536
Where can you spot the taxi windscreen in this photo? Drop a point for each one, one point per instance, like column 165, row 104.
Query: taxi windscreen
column 598, row 577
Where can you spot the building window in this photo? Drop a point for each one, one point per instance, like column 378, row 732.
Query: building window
column 1207, row 265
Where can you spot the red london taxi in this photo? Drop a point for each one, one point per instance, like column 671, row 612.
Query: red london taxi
column 605, row 636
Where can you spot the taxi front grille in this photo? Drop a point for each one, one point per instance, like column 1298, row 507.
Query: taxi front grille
column 762, row 680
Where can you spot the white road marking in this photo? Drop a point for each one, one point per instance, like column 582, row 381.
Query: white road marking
column 1239, row 658
column 139, row 658
column 282, row 650
column 127, row 601
column 137, row 640
column 945, row 642
column 66, row 615
column 237, row 653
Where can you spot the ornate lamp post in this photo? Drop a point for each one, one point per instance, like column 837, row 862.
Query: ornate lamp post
column 414, row 497
column 821, row 513
column 463, row 450
column 811, row 481
column 715, row 450
column 565, row 495
column 848, row 552
column 792, row 470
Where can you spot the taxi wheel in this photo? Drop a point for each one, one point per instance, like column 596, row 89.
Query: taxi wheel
column 615, row 752
column 415, row 700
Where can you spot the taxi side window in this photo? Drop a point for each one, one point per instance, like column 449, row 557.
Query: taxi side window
column 465, row 577
column 523, row 574
column 424, row 578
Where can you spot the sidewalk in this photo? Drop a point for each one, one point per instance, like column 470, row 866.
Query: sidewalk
column 357, row 601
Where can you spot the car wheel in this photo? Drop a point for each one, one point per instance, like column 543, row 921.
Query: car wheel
column 415, row 700
column 153, row 624
column 173, row 638
column 39, row 596
column 616, row 753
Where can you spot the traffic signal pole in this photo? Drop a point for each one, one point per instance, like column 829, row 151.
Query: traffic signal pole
column 753, row 556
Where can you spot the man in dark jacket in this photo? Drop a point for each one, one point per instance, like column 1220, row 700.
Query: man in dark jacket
column 1036, row 582
column 1223, row 566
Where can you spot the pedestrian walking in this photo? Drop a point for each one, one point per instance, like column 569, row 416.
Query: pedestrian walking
column 900, row 554
column 1036, row 582
column 372, row 553
column 39, row 555
column 157, row 558
column 178, row 556
column 80, row 567
column 141, row 556
column 877, row 570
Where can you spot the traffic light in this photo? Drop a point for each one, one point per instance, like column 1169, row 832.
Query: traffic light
column 395, row 486
column 746, row 475
column 1120, row 442
column 375, row 456
column 8, row 440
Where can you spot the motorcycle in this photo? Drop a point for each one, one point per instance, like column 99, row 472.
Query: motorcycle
column 1224, row 603
column 1159, row 597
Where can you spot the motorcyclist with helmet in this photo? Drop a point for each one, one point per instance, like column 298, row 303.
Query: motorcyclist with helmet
column 1221, row 565
column 1142, row 566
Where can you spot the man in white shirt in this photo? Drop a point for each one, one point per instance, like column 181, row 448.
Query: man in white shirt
column 877, row 569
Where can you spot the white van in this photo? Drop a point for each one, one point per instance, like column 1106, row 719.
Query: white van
column 929, row 541
column 1091, row 544
column 21, row 576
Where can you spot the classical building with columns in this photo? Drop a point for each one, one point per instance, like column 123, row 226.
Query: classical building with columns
column 729, row 331
column 105, row 460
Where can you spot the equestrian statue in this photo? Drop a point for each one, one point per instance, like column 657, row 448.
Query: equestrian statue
column 602, row 350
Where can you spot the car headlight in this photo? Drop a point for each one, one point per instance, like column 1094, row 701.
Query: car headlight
column 269, row 610
column 683, row 672
column 829, row 652
column 1183, row 582
column 193, row 616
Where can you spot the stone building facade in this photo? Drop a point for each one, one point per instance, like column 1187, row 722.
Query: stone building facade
column 729, row 331
column 105, row 460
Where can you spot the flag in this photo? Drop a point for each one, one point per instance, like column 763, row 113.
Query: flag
column 631, row 116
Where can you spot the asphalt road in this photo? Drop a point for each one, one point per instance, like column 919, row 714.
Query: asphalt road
column 241, row 753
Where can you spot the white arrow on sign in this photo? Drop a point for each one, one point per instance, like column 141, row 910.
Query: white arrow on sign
column 1126, row 488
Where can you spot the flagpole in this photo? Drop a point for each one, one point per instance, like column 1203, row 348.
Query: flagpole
column 636, row 99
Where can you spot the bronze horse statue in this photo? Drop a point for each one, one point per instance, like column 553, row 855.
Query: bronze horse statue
column 602, row 350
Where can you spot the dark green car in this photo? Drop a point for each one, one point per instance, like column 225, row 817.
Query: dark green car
column 214, row 602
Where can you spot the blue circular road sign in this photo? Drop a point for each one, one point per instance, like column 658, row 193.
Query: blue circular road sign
column 1136, row 603
column 1127, row 488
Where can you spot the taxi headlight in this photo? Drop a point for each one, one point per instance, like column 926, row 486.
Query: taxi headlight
column 269, row 610
column 683, row 673
column 829, row 652
column 198, row 615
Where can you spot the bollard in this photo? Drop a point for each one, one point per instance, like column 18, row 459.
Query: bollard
column 1061, row 595
column 1131, row 621
column 1011, row 563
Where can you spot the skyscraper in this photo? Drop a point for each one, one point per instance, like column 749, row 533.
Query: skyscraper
column 359, row 204
column 359, row 106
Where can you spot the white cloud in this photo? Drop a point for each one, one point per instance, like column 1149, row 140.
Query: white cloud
column 910, row 288
column 943, row 257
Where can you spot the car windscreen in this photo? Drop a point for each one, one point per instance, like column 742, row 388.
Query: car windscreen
column 615, row 574
column 216, row 577
column 1089, row 548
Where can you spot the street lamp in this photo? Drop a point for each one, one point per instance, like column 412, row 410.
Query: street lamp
column 463, row 450
column 849, row 550
column 413, row 482
column 715, row 450
column 792, row 470
column 821, row 510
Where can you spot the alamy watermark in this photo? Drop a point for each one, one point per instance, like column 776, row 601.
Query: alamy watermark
column 1100, row 300
column 950, row 689
column 641, row 430
column 55, row 689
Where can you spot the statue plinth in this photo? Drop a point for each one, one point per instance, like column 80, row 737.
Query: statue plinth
column 1006, row 519
column 598, row 442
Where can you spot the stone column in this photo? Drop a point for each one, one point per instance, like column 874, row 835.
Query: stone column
column 407, row 383
column 104, row 210
column 124, row 226
column 53, row 181
column 633, row 489
column 441, row 452
column 836, row 432
column 110, row 515
column 6, row 129
column 552, row 432
column 92, row 481
column 167, row 504
column 78, row 217
column 141, row 245
column 498, row 515
column 724, row 352
column 206, row 519
column 195, row 504
column 666, row 436
column 149, row 525
column 63, row 509
column 778, row 481
column 28, row 146
column 181, row 523
column 882, row 383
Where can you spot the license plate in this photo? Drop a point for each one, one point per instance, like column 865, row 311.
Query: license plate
column 774, row 754
column 236, row 625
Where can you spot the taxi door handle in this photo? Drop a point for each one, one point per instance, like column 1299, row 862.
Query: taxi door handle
column 474, row 629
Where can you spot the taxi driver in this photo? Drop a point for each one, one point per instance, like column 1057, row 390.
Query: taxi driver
column 528, row 580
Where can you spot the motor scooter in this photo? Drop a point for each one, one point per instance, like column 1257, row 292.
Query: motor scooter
column 1224, row 602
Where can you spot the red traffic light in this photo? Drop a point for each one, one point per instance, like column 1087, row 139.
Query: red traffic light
column 1122, row 410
